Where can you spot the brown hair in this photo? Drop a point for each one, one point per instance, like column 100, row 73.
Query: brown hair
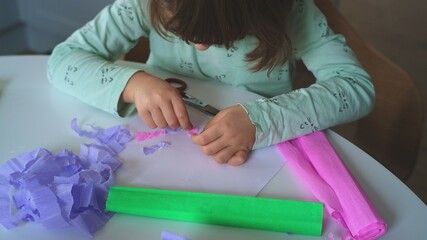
column 221, row 22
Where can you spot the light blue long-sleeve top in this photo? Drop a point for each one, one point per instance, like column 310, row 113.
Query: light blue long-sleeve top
column 84, row 67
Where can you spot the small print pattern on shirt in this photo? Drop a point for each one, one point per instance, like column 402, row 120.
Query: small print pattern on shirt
column 68, row 74
column 308, row 124
column 186, row 65
column 107, row 74
column 126, row 11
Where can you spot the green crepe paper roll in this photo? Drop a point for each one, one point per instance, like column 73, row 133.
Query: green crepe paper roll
column 229, row 210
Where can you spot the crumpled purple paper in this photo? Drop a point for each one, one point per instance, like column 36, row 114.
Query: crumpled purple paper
column 63, row 189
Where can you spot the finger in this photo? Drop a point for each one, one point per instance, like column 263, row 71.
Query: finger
column 238, row 158
column 158, row 118
column 147, row 119
column 223, row 155
column 169, row 115
column 206, row 137
column 215, row 147
column 182, row 114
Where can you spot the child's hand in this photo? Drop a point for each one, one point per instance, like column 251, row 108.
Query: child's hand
column 158, row 103
column 228, row 137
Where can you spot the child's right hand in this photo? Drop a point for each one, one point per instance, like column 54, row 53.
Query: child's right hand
column 158, row 103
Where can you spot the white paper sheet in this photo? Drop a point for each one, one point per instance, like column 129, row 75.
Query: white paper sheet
column 183, row 166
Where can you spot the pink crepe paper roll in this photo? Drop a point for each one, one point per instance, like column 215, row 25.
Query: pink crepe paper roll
column 317, row 163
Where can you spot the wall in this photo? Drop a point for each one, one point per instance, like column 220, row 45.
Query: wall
column 52, row 21
column 12, row 30
column 45, row 23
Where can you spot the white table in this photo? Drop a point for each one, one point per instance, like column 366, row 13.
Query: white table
column 33, row 114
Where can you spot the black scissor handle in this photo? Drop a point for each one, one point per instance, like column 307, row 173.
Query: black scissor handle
column 177, row 83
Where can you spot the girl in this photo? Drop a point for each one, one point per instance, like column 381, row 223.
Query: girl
column 249, row 44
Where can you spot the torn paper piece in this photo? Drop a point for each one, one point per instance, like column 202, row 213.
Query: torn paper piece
column 142, row 136
column 171, row 236
column 156, row 147
column 193, row 131
column 113, row 138
column 173, row 131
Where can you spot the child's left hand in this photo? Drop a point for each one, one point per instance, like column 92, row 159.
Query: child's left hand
column 228, row 137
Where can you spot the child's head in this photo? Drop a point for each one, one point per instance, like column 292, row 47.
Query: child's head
column 222, row 22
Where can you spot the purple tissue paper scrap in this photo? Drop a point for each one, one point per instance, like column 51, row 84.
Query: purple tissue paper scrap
column 113, row 138
column 165, row 235
column 154, row 148
column 63, row 189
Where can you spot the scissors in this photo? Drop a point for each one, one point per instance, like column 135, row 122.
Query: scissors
column 191, row 101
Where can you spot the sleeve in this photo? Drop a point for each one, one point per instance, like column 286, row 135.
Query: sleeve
column 343, row 91
column 83, row 65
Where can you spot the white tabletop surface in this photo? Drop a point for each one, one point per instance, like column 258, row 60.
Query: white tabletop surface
column 33, row 114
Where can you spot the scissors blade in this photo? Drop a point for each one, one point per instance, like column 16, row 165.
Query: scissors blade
column 199, row 104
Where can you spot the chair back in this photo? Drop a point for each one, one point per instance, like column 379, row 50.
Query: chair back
column 392, row 132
